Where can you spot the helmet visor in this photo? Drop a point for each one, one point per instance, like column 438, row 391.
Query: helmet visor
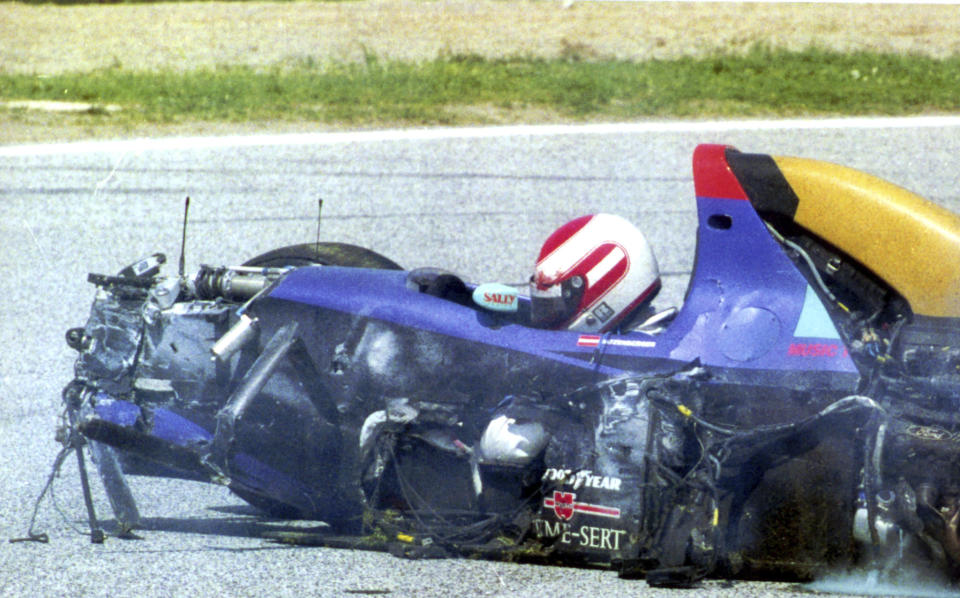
column 555, row 305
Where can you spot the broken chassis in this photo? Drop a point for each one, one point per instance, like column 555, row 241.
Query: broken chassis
column 339, row 392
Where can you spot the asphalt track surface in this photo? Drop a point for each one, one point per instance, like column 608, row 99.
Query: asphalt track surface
column 476, row 203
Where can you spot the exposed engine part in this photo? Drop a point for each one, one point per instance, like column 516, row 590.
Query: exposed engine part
column 868, row 313
column 240, row 334
column 907, row 505
column 914, row 360
column 235, row 283
column 941, row 516
column 74, row 338
column 146, row 268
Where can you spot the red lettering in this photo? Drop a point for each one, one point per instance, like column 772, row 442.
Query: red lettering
column 814, row 350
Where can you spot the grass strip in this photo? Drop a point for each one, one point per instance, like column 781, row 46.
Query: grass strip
column 761, row 82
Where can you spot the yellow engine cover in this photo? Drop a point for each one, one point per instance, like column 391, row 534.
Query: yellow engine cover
column 903, row 238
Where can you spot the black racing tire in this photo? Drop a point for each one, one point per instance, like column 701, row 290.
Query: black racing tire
column 324, row 254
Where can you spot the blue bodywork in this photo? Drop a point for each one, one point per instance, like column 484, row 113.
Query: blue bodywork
column 748, row 307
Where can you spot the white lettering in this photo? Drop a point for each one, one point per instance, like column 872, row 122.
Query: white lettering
column 587, row 536
column 547, row 530
column 581, row 479
column 556, row 475
column 556, row 529
column 600, row 538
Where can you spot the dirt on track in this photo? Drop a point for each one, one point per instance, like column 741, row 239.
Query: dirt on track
column 47, row 39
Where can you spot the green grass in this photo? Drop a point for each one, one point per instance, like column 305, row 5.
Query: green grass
column 459, row 89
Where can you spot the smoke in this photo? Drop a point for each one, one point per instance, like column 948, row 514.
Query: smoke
column 902, row 582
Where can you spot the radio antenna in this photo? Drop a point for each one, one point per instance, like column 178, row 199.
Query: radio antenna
column 319, row 215
column 183, row 236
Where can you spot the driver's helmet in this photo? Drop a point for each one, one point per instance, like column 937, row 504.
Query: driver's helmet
column 593, row 274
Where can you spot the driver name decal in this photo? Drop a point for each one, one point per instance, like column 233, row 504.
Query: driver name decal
column 593, row 340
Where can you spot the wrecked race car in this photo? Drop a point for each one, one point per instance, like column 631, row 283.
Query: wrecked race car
column 799, row 411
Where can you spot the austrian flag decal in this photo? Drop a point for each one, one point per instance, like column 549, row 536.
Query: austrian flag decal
column 564, row 504
column 588, row 340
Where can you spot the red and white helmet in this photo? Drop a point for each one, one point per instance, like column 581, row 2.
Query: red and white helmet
column 592, row 273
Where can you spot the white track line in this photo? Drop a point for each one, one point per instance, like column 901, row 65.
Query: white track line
column 334, row 138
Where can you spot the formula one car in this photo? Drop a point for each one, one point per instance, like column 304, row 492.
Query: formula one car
column 801, row 410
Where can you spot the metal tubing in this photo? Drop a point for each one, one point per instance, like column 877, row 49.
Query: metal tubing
column 118, row 492
column 250, row 386
column 96, row 534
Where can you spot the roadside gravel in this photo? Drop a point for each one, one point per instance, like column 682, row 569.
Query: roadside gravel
column 47, row 39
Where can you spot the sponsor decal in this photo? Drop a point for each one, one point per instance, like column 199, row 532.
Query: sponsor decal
column 593, row 340
column 495, row 296
column 565, row 505
column 581, row 479
column 499, row 299
column 816, row 350
column 585, row 536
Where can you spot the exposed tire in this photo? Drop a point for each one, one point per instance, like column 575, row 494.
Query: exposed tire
column 326, row 254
